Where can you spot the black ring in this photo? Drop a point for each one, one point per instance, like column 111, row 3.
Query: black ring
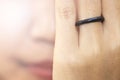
column 90, row 20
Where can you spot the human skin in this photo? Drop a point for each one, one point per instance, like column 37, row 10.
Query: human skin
column 26, row 36
column 91, row 51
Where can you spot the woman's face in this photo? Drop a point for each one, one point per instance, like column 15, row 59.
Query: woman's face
column 27, row 39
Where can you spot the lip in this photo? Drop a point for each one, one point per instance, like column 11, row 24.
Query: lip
column 42, row 69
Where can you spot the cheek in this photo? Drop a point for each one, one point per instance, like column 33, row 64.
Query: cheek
column 14, row 22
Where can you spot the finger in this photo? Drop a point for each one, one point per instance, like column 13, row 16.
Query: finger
column 66, row 32
column 66, row 41
column 89, row 34
column 111, row 12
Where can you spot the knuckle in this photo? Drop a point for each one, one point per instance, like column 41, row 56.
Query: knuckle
column 66, row 12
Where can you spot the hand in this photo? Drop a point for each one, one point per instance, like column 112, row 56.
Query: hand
column 91, row 51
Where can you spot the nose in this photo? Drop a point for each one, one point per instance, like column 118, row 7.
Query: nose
column 43, row 29
column 43, row 24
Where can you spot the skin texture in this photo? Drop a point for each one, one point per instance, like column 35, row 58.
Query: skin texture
column 26, row 33
column 92, row 51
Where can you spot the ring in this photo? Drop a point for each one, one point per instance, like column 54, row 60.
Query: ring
column 90, row 20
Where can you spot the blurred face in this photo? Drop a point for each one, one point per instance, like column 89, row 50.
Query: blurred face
column 27, row 39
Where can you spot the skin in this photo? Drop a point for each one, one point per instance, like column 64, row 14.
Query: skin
column 27, row 33
column 90, row 52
